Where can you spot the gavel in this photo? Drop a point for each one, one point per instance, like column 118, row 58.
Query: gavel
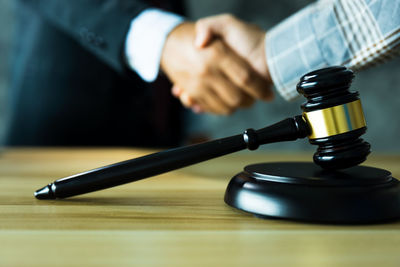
column 332, row 119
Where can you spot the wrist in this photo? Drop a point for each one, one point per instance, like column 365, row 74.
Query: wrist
column 260, row 58
column 173, row 43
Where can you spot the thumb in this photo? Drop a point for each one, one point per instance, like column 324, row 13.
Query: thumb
column 207, row 28
column 204, row 34
column 176, row 90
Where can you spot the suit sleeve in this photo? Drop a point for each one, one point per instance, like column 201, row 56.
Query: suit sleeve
column 100, row 26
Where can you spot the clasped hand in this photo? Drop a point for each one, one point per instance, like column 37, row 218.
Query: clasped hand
column 217, row 65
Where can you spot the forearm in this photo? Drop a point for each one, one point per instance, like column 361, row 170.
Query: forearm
column 356, row 34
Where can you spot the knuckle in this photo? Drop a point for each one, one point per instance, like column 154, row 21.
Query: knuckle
column 229, row 111
column 228, row 16
column 215, row 51
column 226, row 109
column 201, row 23
column 245, row 77
column 236, row 101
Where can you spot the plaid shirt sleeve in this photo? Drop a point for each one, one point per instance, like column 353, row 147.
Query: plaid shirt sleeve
column 353, row 33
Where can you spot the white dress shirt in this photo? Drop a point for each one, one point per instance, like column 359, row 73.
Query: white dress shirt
column 145, row 41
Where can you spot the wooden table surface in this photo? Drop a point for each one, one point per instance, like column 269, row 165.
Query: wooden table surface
column 175, row 219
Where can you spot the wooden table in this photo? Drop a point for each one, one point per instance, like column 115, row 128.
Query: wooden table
column 175, row 219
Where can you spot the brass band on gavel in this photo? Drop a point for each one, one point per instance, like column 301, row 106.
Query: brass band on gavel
column 335, row 120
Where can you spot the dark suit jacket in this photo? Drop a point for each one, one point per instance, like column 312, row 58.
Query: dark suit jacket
column 70, row 85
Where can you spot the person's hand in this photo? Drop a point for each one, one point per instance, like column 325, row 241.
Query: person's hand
column 213, row 79
column 247, row 40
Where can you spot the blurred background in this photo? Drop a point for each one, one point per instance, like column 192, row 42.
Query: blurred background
column 6, row 30
column 379, row 87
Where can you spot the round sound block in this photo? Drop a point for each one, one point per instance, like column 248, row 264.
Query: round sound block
column 304, row 191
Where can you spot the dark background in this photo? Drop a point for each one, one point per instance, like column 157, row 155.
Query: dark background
column 379, row 87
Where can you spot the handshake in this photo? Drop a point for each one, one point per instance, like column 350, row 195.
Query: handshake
column 217, row 64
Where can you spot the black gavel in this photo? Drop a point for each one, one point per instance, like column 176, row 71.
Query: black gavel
column 332, row 119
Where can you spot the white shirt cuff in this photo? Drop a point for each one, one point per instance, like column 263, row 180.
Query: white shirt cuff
column 145, row 41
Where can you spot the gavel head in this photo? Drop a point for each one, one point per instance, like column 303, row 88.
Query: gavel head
column 335, row 117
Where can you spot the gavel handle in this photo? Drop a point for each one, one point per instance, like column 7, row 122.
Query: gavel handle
column 168, row 160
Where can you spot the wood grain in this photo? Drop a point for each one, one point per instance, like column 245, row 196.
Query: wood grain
column 174, row 219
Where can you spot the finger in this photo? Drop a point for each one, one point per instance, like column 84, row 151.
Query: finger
column 209, row 27
column 189, row 102
column 186, row 99
column 197, row 109
column 200, row 107
column 270, row 94
column 245, row 77
column 247, row 101
column 204, row 35
column 206, row 28
column 208, row 101
column 215, row 104
column 176, row 90
column 196, row 103
column 226, row 90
